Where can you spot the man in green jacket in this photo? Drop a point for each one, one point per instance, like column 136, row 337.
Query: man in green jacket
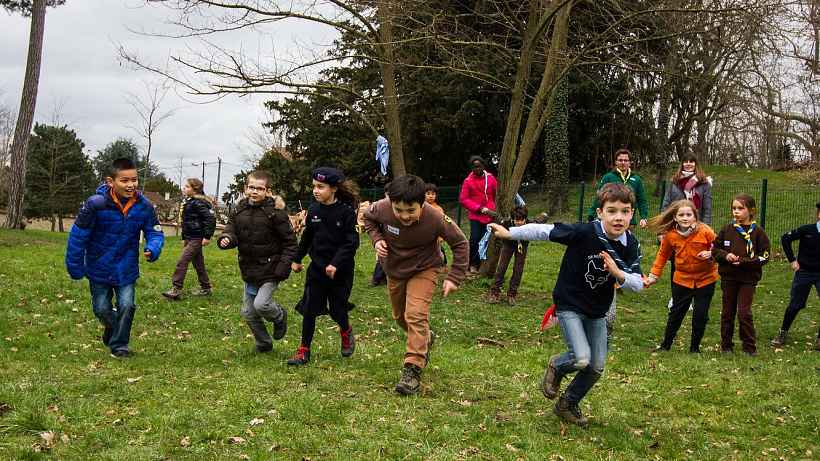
column 623, row 174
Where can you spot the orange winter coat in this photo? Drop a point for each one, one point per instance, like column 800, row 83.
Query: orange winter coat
column 690, row 271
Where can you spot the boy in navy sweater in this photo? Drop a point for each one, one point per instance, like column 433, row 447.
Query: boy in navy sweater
column 806, row 273
column 599, row 254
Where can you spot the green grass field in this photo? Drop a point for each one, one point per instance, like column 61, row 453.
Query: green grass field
column 195, row 389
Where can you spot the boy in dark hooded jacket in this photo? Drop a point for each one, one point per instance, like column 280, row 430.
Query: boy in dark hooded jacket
column 266, row 242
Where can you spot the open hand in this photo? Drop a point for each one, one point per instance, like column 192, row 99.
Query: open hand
column 448, row 287
column 381, row 248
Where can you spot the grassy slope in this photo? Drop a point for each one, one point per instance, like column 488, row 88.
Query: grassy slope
column 196, row 377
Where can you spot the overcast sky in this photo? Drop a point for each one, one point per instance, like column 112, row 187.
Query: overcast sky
column 82, row 75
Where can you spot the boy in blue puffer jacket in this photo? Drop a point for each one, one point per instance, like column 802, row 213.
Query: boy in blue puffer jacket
column 104, row 247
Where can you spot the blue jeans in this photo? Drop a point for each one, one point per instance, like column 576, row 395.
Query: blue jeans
column 586, row 354
column 118, row 319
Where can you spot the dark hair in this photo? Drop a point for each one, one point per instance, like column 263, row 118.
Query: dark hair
column 477, row 158
column 689, row 157
column 196, row 184
column 348, row 192
column 620, row 152
column 408, row 189
column 614, row 192
column 261, row 176
column 120, row 164
column 430, row 187
column 748, row 201
column 520, row 212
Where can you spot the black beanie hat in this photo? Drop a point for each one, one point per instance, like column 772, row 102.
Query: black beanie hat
column 328, row 175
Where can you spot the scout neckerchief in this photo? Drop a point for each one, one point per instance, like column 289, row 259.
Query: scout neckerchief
column 747, row 235
column 628, row 174
column 632, row 267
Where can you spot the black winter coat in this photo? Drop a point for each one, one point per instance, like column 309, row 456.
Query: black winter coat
column 198, row 219
column 265, row 240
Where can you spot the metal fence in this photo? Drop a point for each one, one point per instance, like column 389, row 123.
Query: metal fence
column 780, row 207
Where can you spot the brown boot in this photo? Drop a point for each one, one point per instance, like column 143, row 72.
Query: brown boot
column 493, row 297
column 551, row 382
column 779, row 340
column 410, row 381
column 569, row 412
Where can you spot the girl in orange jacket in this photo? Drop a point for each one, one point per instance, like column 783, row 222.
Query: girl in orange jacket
column 695, row 271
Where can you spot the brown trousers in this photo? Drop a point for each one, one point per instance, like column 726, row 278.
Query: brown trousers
column 411, row 300
column 191, row 253
column 737, row 301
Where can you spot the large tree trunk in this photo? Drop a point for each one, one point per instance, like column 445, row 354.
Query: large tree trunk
column 25, row 118
column 391, row 97
column 662, row 153
column 515, row 156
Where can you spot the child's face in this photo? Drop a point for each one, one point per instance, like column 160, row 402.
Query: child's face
column 256, row 190
column 519, row 222
column 323, row 192
column 430, row 196
column 685, row 217
column 740, row 213
column 407, row 213
column 187, row 190
column 124, row 183
column 689, row 165
column 615, row 217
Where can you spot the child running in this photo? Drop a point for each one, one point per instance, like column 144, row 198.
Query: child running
column 690, row 241
column 741, row 250
column 266, row 242
column 331, row 239
column 806, row 269
column 103, row 246
column 510, row 250
column 198, row 225
column 405, row 232
column 598, row 255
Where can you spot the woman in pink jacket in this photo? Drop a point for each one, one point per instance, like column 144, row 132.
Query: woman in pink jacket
column 478, row 197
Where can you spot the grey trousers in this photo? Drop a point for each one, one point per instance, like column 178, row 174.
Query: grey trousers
column 259, row 306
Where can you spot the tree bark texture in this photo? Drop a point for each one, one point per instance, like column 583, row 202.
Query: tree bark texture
column 25, row 118
column 391, row 97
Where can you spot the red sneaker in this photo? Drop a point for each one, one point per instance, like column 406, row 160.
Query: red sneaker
column 301, row 357
column 348, row 342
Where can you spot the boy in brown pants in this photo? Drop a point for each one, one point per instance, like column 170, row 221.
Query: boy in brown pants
column 405, row 233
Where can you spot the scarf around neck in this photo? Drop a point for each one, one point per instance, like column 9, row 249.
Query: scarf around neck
column 747, row 235
column 624, row 177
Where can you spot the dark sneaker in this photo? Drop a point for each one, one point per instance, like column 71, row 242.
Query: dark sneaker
column 348, row 342
column 511, row 300
column 203, row 292
column 108, row 330
column 551, row 382
column 122, row 354
column 410, row 380
column 779, row 340
column 569, row 412
column 173, row 294
column 263, row 349
column 301, row 357
column 281, row 327
column 493, row 297
column 429, row 347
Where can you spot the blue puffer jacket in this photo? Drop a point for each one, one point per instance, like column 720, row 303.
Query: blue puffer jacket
column 104, row 245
